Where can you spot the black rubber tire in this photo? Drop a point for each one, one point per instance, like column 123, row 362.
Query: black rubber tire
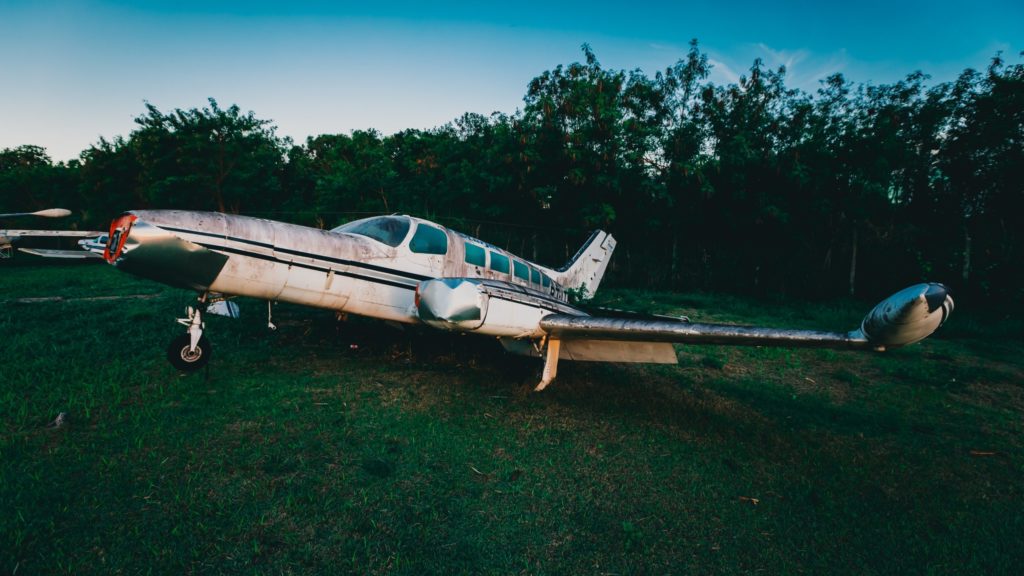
column 180, row 358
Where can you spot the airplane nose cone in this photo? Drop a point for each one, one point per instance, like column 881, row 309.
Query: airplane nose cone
column 117, row 237
column 146, row 250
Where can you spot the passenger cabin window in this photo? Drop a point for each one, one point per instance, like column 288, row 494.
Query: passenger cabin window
column 545, row 281
column 390, row 230
column 499, row 262
column 475, row 255
column 429, row 240
column 521, row 270
column 535, row 276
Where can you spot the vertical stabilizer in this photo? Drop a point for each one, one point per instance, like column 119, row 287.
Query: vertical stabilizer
column 588, row 265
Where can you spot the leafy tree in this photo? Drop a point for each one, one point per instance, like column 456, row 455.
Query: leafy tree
column 111, row 180
column 209, row 158
column 30, row 181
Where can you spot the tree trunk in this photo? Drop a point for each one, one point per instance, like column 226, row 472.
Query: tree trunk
column 222, row 173
column 218, row 197
column 674, row 279
column 966, row 272
column 853, row 262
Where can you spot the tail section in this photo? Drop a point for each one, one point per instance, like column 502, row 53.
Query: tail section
column 587, row 267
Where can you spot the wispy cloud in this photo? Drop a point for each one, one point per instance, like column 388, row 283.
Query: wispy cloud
column 722, row 73
column 804, row 68
column 787, row 58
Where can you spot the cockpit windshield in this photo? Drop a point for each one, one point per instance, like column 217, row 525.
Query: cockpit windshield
column 390, row 230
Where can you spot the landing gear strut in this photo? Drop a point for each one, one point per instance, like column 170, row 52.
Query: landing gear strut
column 554, row 345
column 191, row 351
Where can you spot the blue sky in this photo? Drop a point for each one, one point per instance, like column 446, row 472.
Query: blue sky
column 75, row 71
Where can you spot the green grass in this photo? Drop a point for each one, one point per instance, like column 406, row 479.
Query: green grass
column 422, row 453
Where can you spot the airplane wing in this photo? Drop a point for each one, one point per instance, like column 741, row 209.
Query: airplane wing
column 68, row 254
column 7, row 237
column 904, row 318
column 47, row 233
column 567, row 327
column 531, row 323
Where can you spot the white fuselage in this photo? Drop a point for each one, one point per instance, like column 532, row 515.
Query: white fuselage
column 349, row 271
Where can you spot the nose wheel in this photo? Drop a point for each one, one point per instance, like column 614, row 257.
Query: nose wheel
column 190, row 351
column 186, row 357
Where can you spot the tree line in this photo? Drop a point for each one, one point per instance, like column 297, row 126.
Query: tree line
column 747, row 187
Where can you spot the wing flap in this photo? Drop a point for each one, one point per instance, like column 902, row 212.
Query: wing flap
column 586, row 350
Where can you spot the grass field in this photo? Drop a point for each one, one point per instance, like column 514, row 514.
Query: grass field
column 353, row 447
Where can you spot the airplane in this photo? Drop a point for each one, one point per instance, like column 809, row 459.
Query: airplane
column 409, row 270
column 7, row 238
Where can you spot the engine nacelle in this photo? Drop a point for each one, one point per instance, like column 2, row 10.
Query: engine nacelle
column 451, row 304
column 485, row 306
column 907, row 316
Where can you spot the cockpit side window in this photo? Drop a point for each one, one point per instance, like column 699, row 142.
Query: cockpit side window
column 429, row 240
column 390, row 230
column 475, row 255
column 499, row 262
column 521, row 270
